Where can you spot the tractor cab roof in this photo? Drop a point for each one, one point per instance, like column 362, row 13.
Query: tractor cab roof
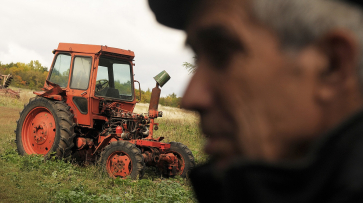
column 94, row 49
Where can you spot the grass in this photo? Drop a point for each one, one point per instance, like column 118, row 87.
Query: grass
column 33, row 179
column 25, row 95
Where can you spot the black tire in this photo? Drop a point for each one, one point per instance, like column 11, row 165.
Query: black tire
column 185, row 157
column 126, row 150
column 64, row 128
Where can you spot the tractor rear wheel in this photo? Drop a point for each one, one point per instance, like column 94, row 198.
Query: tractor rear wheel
column 185, row 158
column 122, row 159
column 45, row 127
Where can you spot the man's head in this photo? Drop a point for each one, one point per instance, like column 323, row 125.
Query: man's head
column 273, row 75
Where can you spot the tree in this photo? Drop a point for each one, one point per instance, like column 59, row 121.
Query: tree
column 31, row 75
column 191, row 67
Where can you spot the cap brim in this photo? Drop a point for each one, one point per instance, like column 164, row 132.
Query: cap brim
column 356, row 2
column 172, row 13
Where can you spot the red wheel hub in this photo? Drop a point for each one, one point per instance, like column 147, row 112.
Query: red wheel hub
column 38, row 131
column 119, row 165
column 180, row 163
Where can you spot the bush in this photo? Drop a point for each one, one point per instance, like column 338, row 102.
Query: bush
column 31, row 75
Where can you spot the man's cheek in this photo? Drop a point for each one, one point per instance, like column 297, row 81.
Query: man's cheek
column 219, row 146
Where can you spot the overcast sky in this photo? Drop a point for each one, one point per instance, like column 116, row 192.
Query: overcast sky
column 30, row 30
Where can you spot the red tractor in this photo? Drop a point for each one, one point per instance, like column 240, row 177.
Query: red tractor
column 85, row 112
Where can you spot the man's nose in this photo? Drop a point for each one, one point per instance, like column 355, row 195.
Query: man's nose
column 198, row 95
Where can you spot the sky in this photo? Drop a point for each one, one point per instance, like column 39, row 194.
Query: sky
column 30, row 30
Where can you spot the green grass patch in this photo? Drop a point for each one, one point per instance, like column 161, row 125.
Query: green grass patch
column 33, row 179
column 39, row 180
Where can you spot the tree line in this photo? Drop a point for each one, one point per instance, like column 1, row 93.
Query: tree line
column 171, row 100
column 33, row 75
column 26, row 75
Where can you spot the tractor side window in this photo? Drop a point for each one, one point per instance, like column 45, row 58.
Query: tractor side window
column 60, row 71
column 122, row 77
column 81, row 72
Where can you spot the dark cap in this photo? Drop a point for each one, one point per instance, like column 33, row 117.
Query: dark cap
column 356, row 2
column 172, row 13
column 175, row 13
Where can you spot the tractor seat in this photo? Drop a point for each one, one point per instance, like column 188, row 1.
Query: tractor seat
column 108, row 92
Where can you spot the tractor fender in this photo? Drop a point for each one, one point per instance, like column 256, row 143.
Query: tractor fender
column 104, row 141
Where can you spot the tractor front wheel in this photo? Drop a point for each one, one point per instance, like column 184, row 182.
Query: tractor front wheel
column 122, row 159
column 185, row 158
column 45, row 127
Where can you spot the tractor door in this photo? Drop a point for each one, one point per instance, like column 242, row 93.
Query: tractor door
column 79, row 94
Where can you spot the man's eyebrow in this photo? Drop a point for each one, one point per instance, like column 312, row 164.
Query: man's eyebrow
column 215, row 34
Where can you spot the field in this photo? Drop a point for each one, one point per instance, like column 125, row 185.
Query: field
column 33, row 179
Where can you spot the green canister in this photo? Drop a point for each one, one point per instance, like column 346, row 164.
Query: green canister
column 162, row 78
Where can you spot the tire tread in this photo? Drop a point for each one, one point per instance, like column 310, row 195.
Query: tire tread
column 66, row 125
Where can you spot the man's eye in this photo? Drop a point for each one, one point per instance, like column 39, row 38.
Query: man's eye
column 220, row 56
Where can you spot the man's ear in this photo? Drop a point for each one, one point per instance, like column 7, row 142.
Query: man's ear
column 340, row 75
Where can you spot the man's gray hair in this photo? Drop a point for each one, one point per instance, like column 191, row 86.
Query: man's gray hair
column 302, row 22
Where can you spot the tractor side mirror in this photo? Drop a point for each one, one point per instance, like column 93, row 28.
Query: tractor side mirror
column 139, row 90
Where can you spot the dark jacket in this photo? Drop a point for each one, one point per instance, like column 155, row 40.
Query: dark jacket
column 331, row 172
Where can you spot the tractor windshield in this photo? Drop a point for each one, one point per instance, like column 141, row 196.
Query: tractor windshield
column 114, row 79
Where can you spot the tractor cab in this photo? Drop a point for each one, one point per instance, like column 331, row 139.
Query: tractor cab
column 90, row 74
column 114, row 79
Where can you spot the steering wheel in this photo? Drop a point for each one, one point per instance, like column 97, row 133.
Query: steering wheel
column 101, row 84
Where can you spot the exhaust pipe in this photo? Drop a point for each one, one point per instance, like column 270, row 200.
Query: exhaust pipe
column 160, row 79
